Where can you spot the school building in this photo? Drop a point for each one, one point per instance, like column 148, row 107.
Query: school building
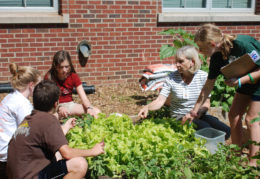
column 123, row 34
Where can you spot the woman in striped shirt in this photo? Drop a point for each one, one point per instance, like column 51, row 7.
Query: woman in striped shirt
column 183, row 87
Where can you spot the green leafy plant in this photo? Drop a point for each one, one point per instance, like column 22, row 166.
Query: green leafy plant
column 257, row 119
column 158, row 147
column 180, row 38
column 222, row 95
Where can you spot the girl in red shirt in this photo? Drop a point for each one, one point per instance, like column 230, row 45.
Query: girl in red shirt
column 65, row 76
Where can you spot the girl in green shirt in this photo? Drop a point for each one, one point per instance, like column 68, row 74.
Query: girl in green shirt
column 222, row 49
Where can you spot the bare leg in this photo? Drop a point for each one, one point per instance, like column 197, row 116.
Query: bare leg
column 235, row 115
column 254, row 130
column 77, row 168
column 77, row 109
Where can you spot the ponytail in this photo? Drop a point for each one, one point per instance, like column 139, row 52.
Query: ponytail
column 227, row 44
column 210, row 32
column 22, row 76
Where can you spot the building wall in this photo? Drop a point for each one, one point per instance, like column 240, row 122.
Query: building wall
column 124, row 36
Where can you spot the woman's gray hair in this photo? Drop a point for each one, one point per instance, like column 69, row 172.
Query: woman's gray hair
column 190, row 53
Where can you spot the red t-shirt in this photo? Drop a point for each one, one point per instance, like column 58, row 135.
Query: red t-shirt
column 66, row 87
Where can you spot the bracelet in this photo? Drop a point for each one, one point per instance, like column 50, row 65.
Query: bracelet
column 239, row 83
column 251, row 78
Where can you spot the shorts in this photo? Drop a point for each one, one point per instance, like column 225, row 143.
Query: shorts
column 54, row 170
column 68, row 105
column 248, row 89
column 3, row 172
column 255, row 98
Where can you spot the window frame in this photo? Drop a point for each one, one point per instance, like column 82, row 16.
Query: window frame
column 209, row 9
column 55, row 8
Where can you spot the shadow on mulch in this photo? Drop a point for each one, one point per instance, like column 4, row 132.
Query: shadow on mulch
column 143, row 100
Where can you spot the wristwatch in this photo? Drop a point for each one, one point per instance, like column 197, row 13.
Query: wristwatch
column 90, row 107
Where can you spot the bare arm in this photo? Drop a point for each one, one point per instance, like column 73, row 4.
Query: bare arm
column 204, row 94
column 82, row 95
column 70, row 123
column 245, row 79
column 204, row 108
column 92, row 110
column 154, row 105
column 69, row 153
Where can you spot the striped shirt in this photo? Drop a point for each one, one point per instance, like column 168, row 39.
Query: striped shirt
column 183, row 96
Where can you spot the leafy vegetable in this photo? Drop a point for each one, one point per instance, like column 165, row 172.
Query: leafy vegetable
column 154, row 148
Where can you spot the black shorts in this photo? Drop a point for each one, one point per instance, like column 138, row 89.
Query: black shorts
column 248, row 89
column 3, row 173
column 255, row 98
column 54, row 170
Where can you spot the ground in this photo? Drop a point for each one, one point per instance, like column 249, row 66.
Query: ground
column 122, row 98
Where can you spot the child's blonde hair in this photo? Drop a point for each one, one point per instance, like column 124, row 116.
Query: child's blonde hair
column 190, row 53
column 209, row 32
column 22, row 76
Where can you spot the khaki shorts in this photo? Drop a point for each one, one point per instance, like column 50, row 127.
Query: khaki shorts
column 69, row 105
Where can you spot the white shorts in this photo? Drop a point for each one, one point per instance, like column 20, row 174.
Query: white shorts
column 69, row 105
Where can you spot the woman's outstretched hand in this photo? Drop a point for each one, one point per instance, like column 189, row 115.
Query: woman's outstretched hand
column 189, row 117
column 143, row 112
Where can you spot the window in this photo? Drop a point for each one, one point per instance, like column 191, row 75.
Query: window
column 208, row 5
column 29, row 5
column 31, row 12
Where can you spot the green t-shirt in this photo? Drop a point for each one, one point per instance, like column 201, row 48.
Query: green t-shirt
column 241, row 45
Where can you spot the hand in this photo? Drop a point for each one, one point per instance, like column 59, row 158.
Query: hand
column 98, row 149
column 93, row 111
column 63, row 112
column 232, row 82
column 143, row 112
column 70, row 123
column 189, row 116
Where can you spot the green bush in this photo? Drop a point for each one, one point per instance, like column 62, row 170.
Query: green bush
column 158, row 147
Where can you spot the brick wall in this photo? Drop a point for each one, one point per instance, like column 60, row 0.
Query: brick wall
column 123, row 35
column 257, row 7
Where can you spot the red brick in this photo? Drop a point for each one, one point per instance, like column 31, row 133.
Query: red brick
column 14, row 31
column 108, row 73
column 127, row 68
column 122, row 2
column 6, row 35
column 35, row 54
column 3, row 31
column 35, row 35
column 4, row 79
column 29, row 49
column 15, row 50
column 7, row 45
column 28, row 31
column 15, row 40
column 28, row 40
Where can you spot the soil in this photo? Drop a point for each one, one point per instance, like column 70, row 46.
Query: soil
column 122, row 98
